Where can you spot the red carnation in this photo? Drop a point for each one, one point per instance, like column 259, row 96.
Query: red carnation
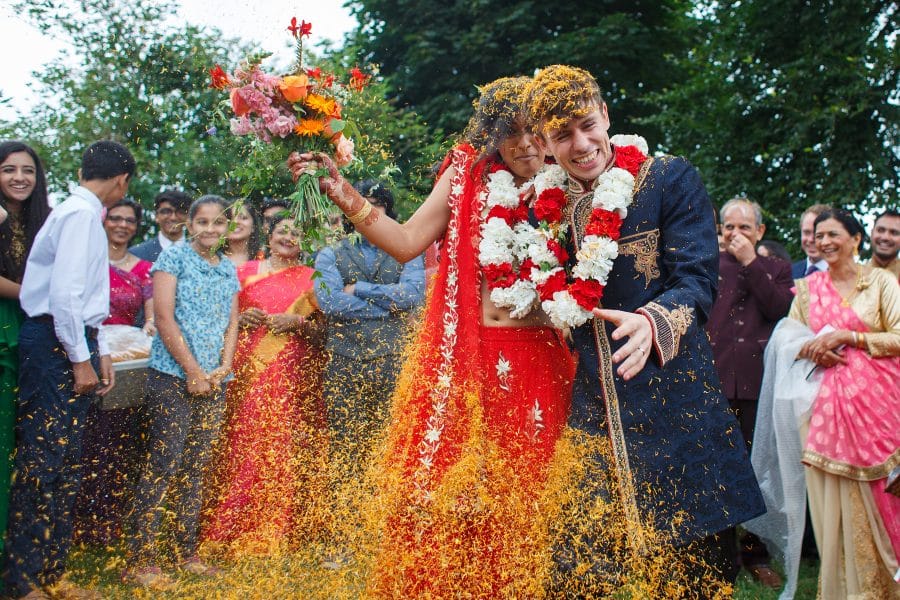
column 525, row 268
column 501, row 212
column 604, row 222
column 549, row 205
column 629, row 158
column 556, row 283
column 219, row 78
column 520, row 213
column 558, row 251
column 587, row 293
column 501, row 275
column 496, row 166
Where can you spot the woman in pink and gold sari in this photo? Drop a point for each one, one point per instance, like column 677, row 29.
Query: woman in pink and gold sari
column 852, row 438
column 270, row 470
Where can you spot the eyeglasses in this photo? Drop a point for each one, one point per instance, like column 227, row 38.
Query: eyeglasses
column 117, row 220
column 168, row 212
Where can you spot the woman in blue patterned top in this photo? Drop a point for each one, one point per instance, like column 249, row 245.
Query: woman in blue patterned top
column 195, row 298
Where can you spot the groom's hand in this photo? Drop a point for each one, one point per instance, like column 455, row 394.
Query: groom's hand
column 634, row 353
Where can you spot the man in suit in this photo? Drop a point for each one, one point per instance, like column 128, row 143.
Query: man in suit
column 754, row 294
column 646, row 380
column 171, row 211
column 813, row 261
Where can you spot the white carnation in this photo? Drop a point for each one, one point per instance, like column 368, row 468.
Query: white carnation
column 550, row 176
column 539, row 253
column 631, row 140
column 595, row 258
column 499, row 231
column 492, row 253
column 540, row 277
column 502, row 190
column 564, row 311
column 525, row 236
column 520, row 298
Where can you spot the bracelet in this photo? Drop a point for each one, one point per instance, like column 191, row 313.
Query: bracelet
column 360, row 216
column 855, row 339
column 862, row 339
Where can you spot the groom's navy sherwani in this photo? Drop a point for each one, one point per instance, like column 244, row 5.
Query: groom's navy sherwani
column 679, row 457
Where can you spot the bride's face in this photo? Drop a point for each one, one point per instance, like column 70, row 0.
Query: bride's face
column 522, row 154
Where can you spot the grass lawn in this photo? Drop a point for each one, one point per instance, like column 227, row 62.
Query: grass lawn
column 300, row 576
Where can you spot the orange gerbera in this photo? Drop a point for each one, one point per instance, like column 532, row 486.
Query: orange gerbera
column 309, row 127
column 321, row 104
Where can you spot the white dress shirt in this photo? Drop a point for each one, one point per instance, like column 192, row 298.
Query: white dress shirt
column 165, row 242
column 820, row 264
column 67, row 273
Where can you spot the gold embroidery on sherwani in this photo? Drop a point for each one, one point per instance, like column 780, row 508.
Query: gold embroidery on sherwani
column 644, row 248
column 670, row 325
column 578, row 212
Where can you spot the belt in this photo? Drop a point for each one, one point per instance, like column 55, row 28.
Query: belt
column 89, row 332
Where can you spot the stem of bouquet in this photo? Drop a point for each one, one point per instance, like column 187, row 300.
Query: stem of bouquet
column 310, row 209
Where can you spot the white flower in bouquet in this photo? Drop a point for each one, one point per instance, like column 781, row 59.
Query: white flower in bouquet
column 525, row 236
column 520, row 297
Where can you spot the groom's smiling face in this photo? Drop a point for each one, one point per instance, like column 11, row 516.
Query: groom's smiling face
column 581, row 146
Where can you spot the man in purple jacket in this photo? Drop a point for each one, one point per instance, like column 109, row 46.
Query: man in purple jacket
column 754, row 294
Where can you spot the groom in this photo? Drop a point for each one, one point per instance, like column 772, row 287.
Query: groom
column 645, row 377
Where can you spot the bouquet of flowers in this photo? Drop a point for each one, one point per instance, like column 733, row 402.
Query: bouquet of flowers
column 301, row 111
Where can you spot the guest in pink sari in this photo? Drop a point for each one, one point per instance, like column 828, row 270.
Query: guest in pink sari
column 852, row 437
column 271, row 465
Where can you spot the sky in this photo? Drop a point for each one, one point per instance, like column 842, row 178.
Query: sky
column 25, row 48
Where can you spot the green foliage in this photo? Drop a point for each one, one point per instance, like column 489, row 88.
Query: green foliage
column 791, row 103
column 138, row 82
column 435, row 55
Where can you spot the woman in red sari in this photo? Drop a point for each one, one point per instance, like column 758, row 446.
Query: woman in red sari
column 467, row 458
column 272, row 454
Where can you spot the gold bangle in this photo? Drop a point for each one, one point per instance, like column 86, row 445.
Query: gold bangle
column 855, row 339
column 862, row 339
column 360, row 216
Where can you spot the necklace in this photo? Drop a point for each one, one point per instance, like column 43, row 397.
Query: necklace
column 857, row 288
column 526, row 266
column 121, row 261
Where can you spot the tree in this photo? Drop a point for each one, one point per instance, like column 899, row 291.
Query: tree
column 790, row 103
column 138, row 82
column 435, row 56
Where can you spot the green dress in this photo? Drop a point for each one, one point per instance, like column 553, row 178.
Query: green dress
column 11, row 317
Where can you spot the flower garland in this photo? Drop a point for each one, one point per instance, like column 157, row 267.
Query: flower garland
column 525, row 265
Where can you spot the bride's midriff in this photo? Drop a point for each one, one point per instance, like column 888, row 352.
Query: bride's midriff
column 494, row 316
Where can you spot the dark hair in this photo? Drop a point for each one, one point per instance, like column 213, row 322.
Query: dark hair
column 134, row 206
column 776, row 249
column 848, row 221
column 890, row 212
column 253, row 241
column 206, row 199
column 498, row 111
column 34, row 212
column 106, row 159
column 179, row 200
column 377, row 191
column 277, row 221
column 273, row 202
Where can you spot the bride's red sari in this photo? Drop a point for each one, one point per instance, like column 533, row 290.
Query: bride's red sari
column 272, row 455
column 475, row 418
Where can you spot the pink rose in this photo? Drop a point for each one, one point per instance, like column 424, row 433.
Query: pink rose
column 343, row 151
